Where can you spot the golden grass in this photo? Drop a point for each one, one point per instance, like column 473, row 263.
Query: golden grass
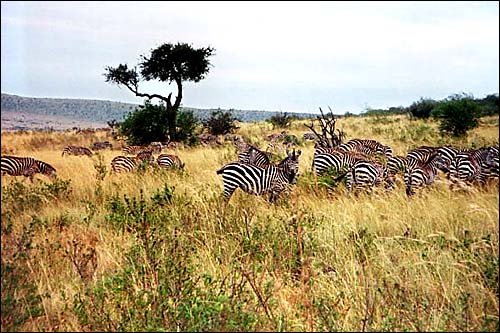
column 330, row 260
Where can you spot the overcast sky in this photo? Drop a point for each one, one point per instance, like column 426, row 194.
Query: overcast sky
column 281, row 56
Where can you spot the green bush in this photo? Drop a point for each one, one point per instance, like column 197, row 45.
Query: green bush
column 221, row 123
column 281, row 120
column 458, row 114
column 422, row 109
column 146, row 124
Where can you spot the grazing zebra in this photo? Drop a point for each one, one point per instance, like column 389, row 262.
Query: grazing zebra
column 339, row 161
column 26, row 166
column 395, row 165
column 365, row 174
column 254, row 156
column 474, row 166
column 374, row 146
column 169, row 161
column 76, row 150
column 419, row 174
column 101, row 145
column 492, row 161
column 448, row 154
column 129, row 163
column 134, row 150
column 252, row 179
column 422, row 153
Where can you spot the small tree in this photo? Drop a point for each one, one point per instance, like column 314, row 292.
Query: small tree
column 221, row 123
column 422, row 109
column 327, row 137
column 458, row 114
column 167, row 63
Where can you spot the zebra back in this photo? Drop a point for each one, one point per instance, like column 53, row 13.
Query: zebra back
column 254, row 156
column 76, row 150
column 123, row 163
column 337, row 160
column 134, row 149
column 365, row 174
column 419, row 174
column 168, row 161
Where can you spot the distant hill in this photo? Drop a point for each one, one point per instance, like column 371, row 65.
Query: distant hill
column 100, row 112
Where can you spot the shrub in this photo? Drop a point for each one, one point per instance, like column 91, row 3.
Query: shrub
column 458, row 114
column 281, row 120
column 146, row 124
column 221, row 123
column 422, row 109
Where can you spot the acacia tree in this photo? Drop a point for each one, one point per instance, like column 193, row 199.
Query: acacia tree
column 167, row 63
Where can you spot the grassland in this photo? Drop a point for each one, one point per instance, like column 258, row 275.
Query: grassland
column 160, row 251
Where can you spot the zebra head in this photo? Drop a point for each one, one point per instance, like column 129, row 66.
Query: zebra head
column 290, row 166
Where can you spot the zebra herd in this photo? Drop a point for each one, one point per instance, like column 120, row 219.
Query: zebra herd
column 363, row 163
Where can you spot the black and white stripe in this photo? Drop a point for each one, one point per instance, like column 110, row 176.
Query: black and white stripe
column 254, row 156
column 76, row 150
column 335, row 160
column 372, row 145
column 252, row 179
column 134, row 149
column 419, row 174
column 395, row 164
column 169, row 161
column 129, row 163
column 26, row 166
column 365, row 174
column 99, row 145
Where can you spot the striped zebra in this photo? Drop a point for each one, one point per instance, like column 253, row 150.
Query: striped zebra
column 273, row 179
column 419, row 174
column 474, row 166
column 310, row 136
column 26, row 166
column 254, row 156
column 422, row 153
column 99, row 145
column 365, row 174
column 448, row 154
column 338, row 161
column 76, row 150
column 492, row 160
column 130, row 163
column 169, row 161
column 395, row 165
column 134, row 149
column 374, row 146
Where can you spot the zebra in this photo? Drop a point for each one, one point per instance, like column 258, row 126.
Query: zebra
column 365, row 173
column 421, row 153
column 374, row 146
column 338, row 160
column 254, row 156
column 134, row 149
column 492, row 161
column 310, row 136
column 129, row 163
column 76, row 150
column 419, row 174
column 395, row 164
column 473, row 166
column 101, row 145
column 168, row 161
column 273, row 179
column 448, row 154
column 26, row 166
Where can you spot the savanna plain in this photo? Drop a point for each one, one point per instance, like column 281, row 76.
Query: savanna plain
column 160, row 250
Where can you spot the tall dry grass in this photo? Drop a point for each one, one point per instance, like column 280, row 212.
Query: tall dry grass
column 160, row 250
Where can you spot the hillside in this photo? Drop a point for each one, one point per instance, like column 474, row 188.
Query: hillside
column 37, row 113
